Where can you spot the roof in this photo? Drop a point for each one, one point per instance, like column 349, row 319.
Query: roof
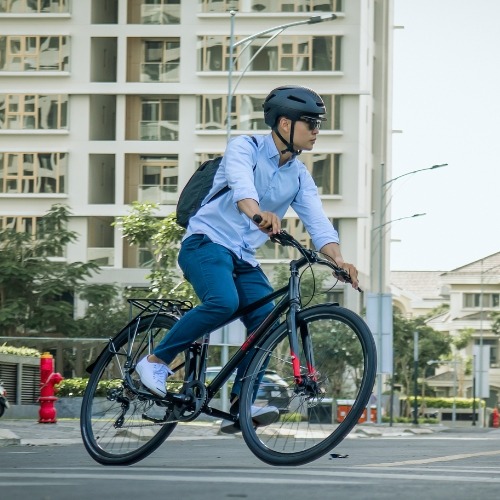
column 423, row 284
column 482, row 265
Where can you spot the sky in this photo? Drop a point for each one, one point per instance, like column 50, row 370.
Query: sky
column 446, row 109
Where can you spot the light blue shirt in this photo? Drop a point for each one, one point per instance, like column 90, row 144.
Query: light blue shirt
column 274, row 188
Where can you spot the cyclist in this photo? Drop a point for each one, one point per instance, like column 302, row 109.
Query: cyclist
column 217, row 254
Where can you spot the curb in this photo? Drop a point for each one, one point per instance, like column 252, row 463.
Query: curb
column 8, row 438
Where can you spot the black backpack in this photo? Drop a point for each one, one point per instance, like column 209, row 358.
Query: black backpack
column 197, row 188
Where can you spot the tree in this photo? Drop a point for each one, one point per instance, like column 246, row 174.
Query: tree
column 161, row 237
column 37, row 287
column 106, row 312
column 432, row 345
column 495, row 322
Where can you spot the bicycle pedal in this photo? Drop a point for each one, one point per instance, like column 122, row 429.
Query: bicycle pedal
column 145, row 391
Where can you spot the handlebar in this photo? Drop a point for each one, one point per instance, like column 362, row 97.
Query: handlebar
column 311, row 256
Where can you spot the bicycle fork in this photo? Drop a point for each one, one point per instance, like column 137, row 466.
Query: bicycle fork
column 293, row 337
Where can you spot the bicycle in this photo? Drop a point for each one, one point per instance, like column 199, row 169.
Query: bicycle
column 316, row 354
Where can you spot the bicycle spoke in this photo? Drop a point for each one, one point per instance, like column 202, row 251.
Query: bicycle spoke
column 311, row 418
column 119, row 425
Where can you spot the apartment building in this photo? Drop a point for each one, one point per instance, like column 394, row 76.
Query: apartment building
column 472, row 293
column 105, row 102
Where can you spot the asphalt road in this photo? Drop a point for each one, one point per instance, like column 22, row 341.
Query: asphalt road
column 455, row 465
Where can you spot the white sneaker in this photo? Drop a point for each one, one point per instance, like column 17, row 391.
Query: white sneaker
column 153, row 375
column 261, row 416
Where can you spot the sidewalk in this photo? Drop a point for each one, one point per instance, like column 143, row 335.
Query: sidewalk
column 28, row 432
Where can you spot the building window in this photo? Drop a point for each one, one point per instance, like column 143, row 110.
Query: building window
column 33, row 112
column 34, row 6
column 335, row 296
column 286, row 53
column 473, row 300
column 272, row 5
column 325, row 170
column 159, row 179
column 29, row 225
column 33, row 173
column 159, row 120
column 34, row 53
column 154, row 11
column 203, row 157
column 161, row 59
column 247, row 113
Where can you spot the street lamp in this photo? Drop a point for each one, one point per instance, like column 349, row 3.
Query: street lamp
column 383, row 205
column 246, row 42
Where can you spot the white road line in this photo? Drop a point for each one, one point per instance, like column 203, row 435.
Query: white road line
column 346, row 476
column 230, row 478
column 446, row 458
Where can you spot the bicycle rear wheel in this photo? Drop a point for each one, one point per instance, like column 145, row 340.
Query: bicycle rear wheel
column 311, row 419
column 118, row 426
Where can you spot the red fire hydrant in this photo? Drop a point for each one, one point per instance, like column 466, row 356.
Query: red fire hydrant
column 495, row 418
column 48, row 379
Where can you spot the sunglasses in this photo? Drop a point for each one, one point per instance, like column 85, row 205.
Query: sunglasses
column 312, row 123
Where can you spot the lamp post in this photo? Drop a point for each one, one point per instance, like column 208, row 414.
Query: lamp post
column 246, row 42
column 383, row 205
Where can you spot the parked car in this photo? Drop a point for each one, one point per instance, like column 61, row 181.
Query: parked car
column 273, row 390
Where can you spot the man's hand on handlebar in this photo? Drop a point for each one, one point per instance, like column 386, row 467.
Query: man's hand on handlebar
column 352, row 274
column 268, row 222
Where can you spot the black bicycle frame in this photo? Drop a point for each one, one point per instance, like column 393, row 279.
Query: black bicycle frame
column 290, row 301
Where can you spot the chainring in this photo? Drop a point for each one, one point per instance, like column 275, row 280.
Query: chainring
column 196, row 393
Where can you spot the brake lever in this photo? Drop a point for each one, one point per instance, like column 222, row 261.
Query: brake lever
column 342, row 273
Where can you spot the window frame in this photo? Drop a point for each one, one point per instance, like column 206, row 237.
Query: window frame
column 36, row 177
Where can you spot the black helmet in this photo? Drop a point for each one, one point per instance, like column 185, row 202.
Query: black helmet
column 292, row 101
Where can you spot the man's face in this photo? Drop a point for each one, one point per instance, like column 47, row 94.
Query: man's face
column 304, row 134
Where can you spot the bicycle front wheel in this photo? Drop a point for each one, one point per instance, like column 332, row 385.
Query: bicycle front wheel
column 317, row 414
column 118, row 426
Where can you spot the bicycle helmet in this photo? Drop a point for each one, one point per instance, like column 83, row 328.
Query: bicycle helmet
column 293, row 102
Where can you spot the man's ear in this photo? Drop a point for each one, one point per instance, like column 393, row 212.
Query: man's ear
column 284, row 124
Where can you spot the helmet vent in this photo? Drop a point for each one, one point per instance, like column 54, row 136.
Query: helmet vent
column 294, row 98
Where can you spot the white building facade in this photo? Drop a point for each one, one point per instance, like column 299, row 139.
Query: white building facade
column 106, row 102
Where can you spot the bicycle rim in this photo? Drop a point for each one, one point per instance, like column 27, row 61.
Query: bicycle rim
column 116, row 424
column 313, row 419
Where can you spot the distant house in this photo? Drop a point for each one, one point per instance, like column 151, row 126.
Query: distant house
column 472, row 293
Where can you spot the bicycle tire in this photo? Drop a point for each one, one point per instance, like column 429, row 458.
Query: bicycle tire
column 136, row 437
column 311, row 422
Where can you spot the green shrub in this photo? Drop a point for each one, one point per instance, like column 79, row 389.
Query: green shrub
column 409, row 420
column 75, row 387
column 443, row 402
column 19, row 351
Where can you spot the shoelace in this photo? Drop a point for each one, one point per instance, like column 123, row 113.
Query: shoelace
column 161, row 372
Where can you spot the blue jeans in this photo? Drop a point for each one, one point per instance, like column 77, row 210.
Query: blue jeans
column 223, row 283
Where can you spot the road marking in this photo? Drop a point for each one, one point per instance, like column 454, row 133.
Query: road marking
column 174, row 478
column 446, row 458
column 323, row 477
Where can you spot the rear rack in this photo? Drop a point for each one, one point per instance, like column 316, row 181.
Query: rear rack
column 158, row 306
